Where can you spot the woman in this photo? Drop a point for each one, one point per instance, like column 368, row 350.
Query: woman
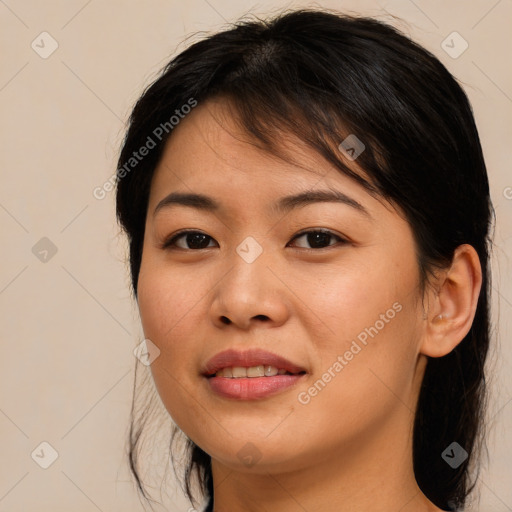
column 308, row 213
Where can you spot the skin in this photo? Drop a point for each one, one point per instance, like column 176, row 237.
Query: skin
column 350, row 447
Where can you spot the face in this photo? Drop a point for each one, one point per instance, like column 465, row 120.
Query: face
column 332, row 286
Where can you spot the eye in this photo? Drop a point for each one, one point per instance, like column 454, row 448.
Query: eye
column 318, row 237
column 196, row 240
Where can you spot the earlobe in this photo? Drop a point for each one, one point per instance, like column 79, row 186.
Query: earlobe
column 454, row 305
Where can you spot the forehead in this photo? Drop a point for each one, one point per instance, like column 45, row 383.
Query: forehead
column 209, row 151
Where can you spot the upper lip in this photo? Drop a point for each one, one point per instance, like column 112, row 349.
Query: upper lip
column 247, row 358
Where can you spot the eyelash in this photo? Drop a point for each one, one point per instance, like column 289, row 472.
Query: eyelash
column 169, row 243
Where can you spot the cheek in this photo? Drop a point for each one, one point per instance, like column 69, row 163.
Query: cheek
column 351, row 298
column 170, row 309
column 370, row 311
column 166, row 300
column 167, row 307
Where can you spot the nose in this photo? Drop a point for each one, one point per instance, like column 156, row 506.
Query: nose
column 250, row 293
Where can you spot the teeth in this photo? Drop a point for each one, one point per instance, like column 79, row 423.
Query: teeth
column 254, row 371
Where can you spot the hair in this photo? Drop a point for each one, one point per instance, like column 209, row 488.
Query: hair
column 320, row 76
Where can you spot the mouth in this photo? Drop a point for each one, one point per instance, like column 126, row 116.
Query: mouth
column 252, row 374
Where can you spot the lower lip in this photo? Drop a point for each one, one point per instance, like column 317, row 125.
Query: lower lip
column 252, row 388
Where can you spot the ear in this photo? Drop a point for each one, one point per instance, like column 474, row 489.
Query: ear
column 454, row 305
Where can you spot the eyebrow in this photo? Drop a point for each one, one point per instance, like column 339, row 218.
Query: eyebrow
column 206, row 203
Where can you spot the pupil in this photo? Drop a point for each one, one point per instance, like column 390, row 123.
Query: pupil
column 198, row 236
column 318, row 237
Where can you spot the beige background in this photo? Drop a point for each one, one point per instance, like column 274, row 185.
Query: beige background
column 68, row 325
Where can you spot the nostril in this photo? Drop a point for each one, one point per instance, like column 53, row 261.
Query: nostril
column 227, row 321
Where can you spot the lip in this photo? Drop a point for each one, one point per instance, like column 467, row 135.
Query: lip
column 247, row 358
column 252, row 388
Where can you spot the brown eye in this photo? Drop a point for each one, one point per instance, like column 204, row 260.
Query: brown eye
column 194, row 239
column 318, row 239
